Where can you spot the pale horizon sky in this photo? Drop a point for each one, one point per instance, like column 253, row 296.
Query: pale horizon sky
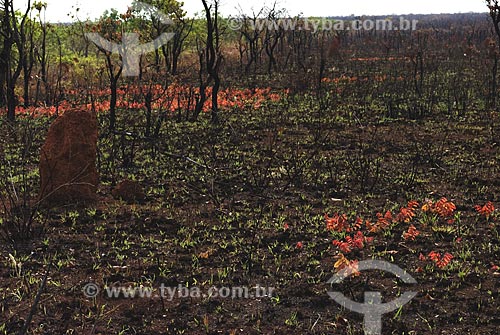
column 58, row 10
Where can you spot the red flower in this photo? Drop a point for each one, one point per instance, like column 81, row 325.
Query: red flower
column 345, row 247
column 440, row 262
column 444, row 207
column 351, row 267
column 358, row 240
column 411, row 234
column 357, row 224
column 434, row 256
column 383, row 222
column 485, row 210
column 352, row 242
column 408, row 212
column 299, row 245
column 337, row 223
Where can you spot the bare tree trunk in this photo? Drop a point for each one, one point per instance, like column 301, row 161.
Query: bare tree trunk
column 494, row 8
column 4, row 55
column 28, row 63
column 113, row 85
column 14, row 34
column 213, row 56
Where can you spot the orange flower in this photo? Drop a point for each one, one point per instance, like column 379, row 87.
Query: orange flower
column 405, row 215
column 357, row 225
column 427, row 206
column 444, row 207
column 351, row 267
column 412, row 204
column 441, row 262
column 383, row 222
column 411, row 234
column 351, row 243
column 345, row 247
column 485, row 210
column 341, row 262
column 336, row 223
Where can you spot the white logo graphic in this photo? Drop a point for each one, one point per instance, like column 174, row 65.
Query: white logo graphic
column 373, row 308
column 130, row 50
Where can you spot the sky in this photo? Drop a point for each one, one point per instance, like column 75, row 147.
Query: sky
column 58, row 10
